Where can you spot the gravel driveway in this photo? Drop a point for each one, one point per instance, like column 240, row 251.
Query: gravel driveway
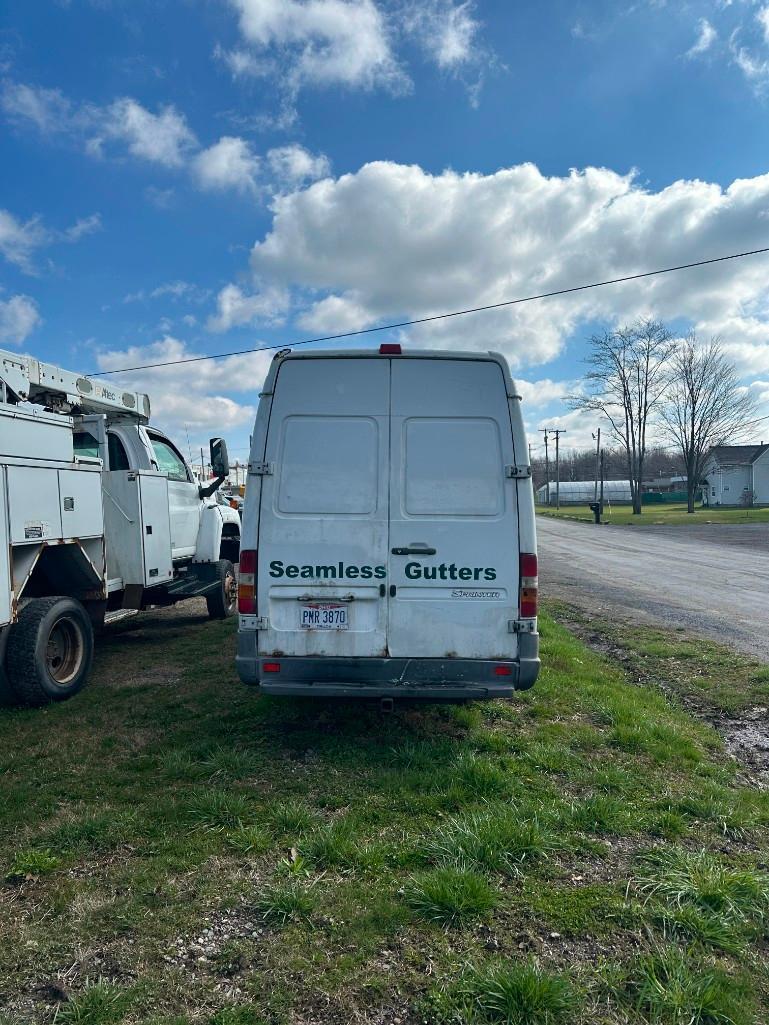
column 711, row 579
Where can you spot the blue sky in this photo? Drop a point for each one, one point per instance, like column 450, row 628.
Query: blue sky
column 196, row 176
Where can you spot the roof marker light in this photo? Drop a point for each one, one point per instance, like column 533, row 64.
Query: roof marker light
column 390, row 349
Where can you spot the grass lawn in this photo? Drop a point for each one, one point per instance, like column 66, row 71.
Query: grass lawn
column 675, row 513
column 176, row 849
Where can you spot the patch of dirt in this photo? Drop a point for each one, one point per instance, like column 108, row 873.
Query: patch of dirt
column 746, row 738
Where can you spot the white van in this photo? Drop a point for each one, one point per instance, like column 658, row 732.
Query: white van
column 388, row 544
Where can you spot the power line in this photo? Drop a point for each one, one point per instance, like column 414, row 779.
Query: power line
column 436, row 316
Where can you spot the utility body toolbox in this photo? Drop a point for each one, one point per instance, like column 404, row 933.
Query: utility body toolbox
column 100, row 516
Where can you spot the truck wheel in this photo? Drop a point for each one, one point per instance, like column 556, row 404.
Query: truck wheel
column 50, row 650
column 223, row 601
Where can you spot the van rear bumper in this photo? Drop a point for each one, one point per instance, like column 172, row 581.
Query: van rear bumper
column 424, row 678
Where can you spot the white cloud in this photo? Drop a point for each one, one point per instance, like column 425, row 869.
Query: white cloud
column 705, row 39
column 334, row 315
column 578, row 431
column 175, row 290
column 197, row 396
column 163, row 138
column 162, row 199
column 20, row 240
column 762, row 17
column 19, row 316
column 244, row 64
column 83, row 226
column 392, row 242
column 545, row 391
column 228, row 164
column 235, row 308
column 320, row 42
column 753, row 68
column 294, row 165
column 48, row 109
column 446, row 30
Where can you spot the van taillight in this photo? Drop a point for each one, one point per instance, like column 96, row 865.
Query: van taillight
column 529, row 585
column 247, row 583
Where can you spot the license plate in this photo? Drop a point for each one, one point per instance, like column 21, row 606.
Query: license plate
column 323, row 616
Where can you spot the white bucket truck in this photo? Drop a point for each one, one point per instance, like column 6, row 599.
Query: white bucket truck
column 389, row 541
column 100, row 516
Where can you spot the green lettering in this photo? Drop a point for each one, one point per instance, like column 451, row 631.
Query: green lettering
column 325, row 571
column 351, row 572
column 380, row 572
column 465, row 573
column 366, row 572
column 452, row 572
column 308, row 572
column 491, row 574
column 276, row 568
column 477, row 573
column 292, row 571
column 413, row 570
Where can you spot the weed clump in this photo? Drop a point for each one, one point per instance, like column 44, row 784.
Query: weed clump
column 450, row 896
column 510, row 994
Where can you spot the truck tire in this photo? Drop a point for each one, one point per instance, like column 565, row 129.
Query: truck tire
column 50, row 650
column 222, row 602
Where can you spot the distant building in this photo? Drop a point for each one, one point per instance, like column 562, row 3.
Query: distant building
column 736, row 475
column 580, row 492
column 665, row 484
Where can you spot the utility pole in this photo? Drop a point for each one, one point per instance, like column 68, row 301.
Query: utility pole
column 557, row 434
column 543, row 430
column 202, row 466
column 597, row 461
column 600, row 507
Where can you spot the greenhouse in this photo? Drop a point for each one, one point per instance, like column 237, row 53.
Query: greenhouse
column 580, row 492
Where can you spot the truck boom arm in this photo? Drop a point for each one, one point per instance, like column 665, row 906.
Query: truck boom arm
column 25, row 379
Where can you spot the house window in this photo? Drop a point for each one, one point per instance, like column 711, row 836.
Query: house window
column 712, row 492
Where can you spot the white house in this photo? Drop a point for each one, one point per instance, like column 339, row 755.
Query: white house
column 737, row 475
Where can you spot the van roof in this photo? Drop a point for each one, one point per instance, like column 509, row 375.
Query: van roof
column 493, row 357
column 405, row 353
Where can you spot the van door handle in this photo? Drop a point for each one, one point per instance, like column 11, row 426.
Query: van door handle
column 414, row 551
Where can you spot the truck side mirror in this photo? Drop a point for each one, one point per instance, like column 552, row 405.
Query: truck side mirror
column 220, row 464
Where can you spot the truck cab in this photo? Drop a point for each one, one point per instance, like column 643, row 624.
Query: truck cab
column 198, row 524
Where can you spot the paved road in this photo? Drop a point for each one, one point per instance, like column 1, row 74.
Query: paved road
column 713, row 582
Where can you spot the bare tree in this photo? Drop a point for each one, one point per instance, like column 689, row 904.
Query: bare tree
column 625, row 385
column 705, row 405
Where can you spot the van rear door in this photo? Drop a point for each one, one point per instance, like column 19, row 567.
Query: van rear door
column 322, row 553
column 454, row 559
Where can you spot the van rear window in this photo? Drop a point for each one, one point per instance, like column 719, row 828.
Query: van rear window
column 452, row 467
column 329, row 465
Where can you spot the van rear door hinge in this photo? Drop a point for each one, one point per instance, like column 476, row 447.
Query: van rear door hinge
column 521, row 626
column 261, row 623
column 261, row 469
column 518, row 472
